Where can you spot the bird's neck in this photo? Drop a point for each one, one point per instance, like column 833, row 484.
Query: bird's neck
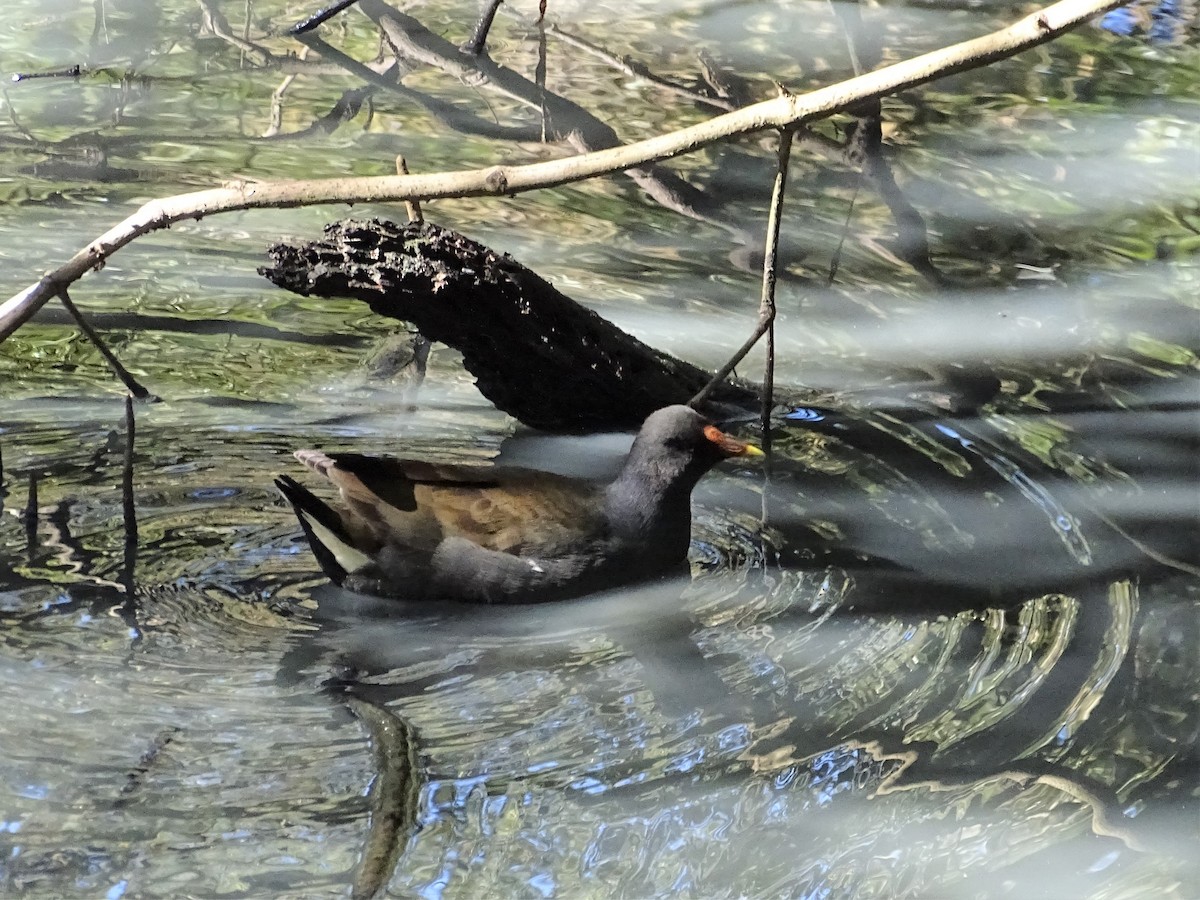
column 650, row 504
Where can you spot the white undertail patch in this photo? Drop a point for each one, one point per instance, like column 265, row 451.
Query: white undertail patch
column 349, row 558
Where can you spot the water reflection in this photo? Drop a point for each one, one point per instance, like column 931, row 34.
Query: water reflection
column 702, row 734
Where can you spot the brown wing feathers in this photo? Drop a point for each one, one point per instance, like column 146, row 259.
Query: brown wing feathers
column 416, row 504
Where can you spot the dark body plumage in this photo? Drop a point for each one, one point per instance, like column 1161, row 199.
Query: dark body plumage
column 484, row 534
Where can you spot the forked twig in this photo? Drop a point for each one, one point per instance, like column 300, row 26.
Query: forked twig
column 766, row 304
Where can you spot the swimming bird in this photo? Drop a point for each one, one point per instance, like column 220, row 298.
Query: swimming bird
column 486, row 534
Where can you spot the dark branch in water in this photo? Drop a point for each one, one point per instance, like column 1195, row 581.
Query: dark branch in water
column 447, row 113
column 536, row 353
column 864, row 149
column 129, row 509
column 478, row 40
column 74, row 71
column 216, row 22
column 31, row 515
column 131, row 383
column 317, row 18
column 395, row 792
column 912, row 239
column 135, row 776
column 346, row 108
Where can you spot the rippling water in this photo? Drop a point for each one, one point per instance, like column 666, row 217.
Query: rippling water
column 948, row 648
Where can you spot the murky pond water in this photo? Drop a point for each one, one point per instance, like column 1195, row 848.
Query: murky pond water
column 949, row 649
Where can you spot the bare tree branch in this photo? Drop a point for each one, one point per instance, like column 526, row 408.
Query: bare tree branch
column 779, row 112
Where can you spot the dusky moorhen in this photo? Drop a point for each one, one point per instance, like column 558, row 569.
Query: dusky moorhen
column 417, row 530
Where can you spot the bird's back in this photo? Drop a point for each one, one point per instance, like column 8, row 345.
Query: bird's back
column 417, row 505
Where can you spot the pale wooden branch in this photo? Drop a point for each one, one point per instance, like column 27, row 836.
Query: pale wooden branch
column 779, row 112
column 766, row 308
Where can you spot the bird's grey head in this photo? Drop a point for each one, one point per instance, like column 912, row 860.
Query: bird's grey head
column 674, row 448
column 680, row 430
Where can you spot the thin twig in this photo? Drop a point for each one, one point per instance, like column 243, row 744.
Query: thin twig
column 277, row 99
column 629, row 66
column 75, row 71
column 766, row 312
column 779, row 112
column 277, row 103
column 835, row 261
column 131, row 383
column 411, row 206
column 766, row 304
column 539, row 78
column 722, row 373
column 1156, row 555
column 770, row 264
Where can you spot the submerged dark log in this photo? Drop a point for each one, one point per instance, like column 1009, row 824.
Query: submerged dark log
column 535, row 353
